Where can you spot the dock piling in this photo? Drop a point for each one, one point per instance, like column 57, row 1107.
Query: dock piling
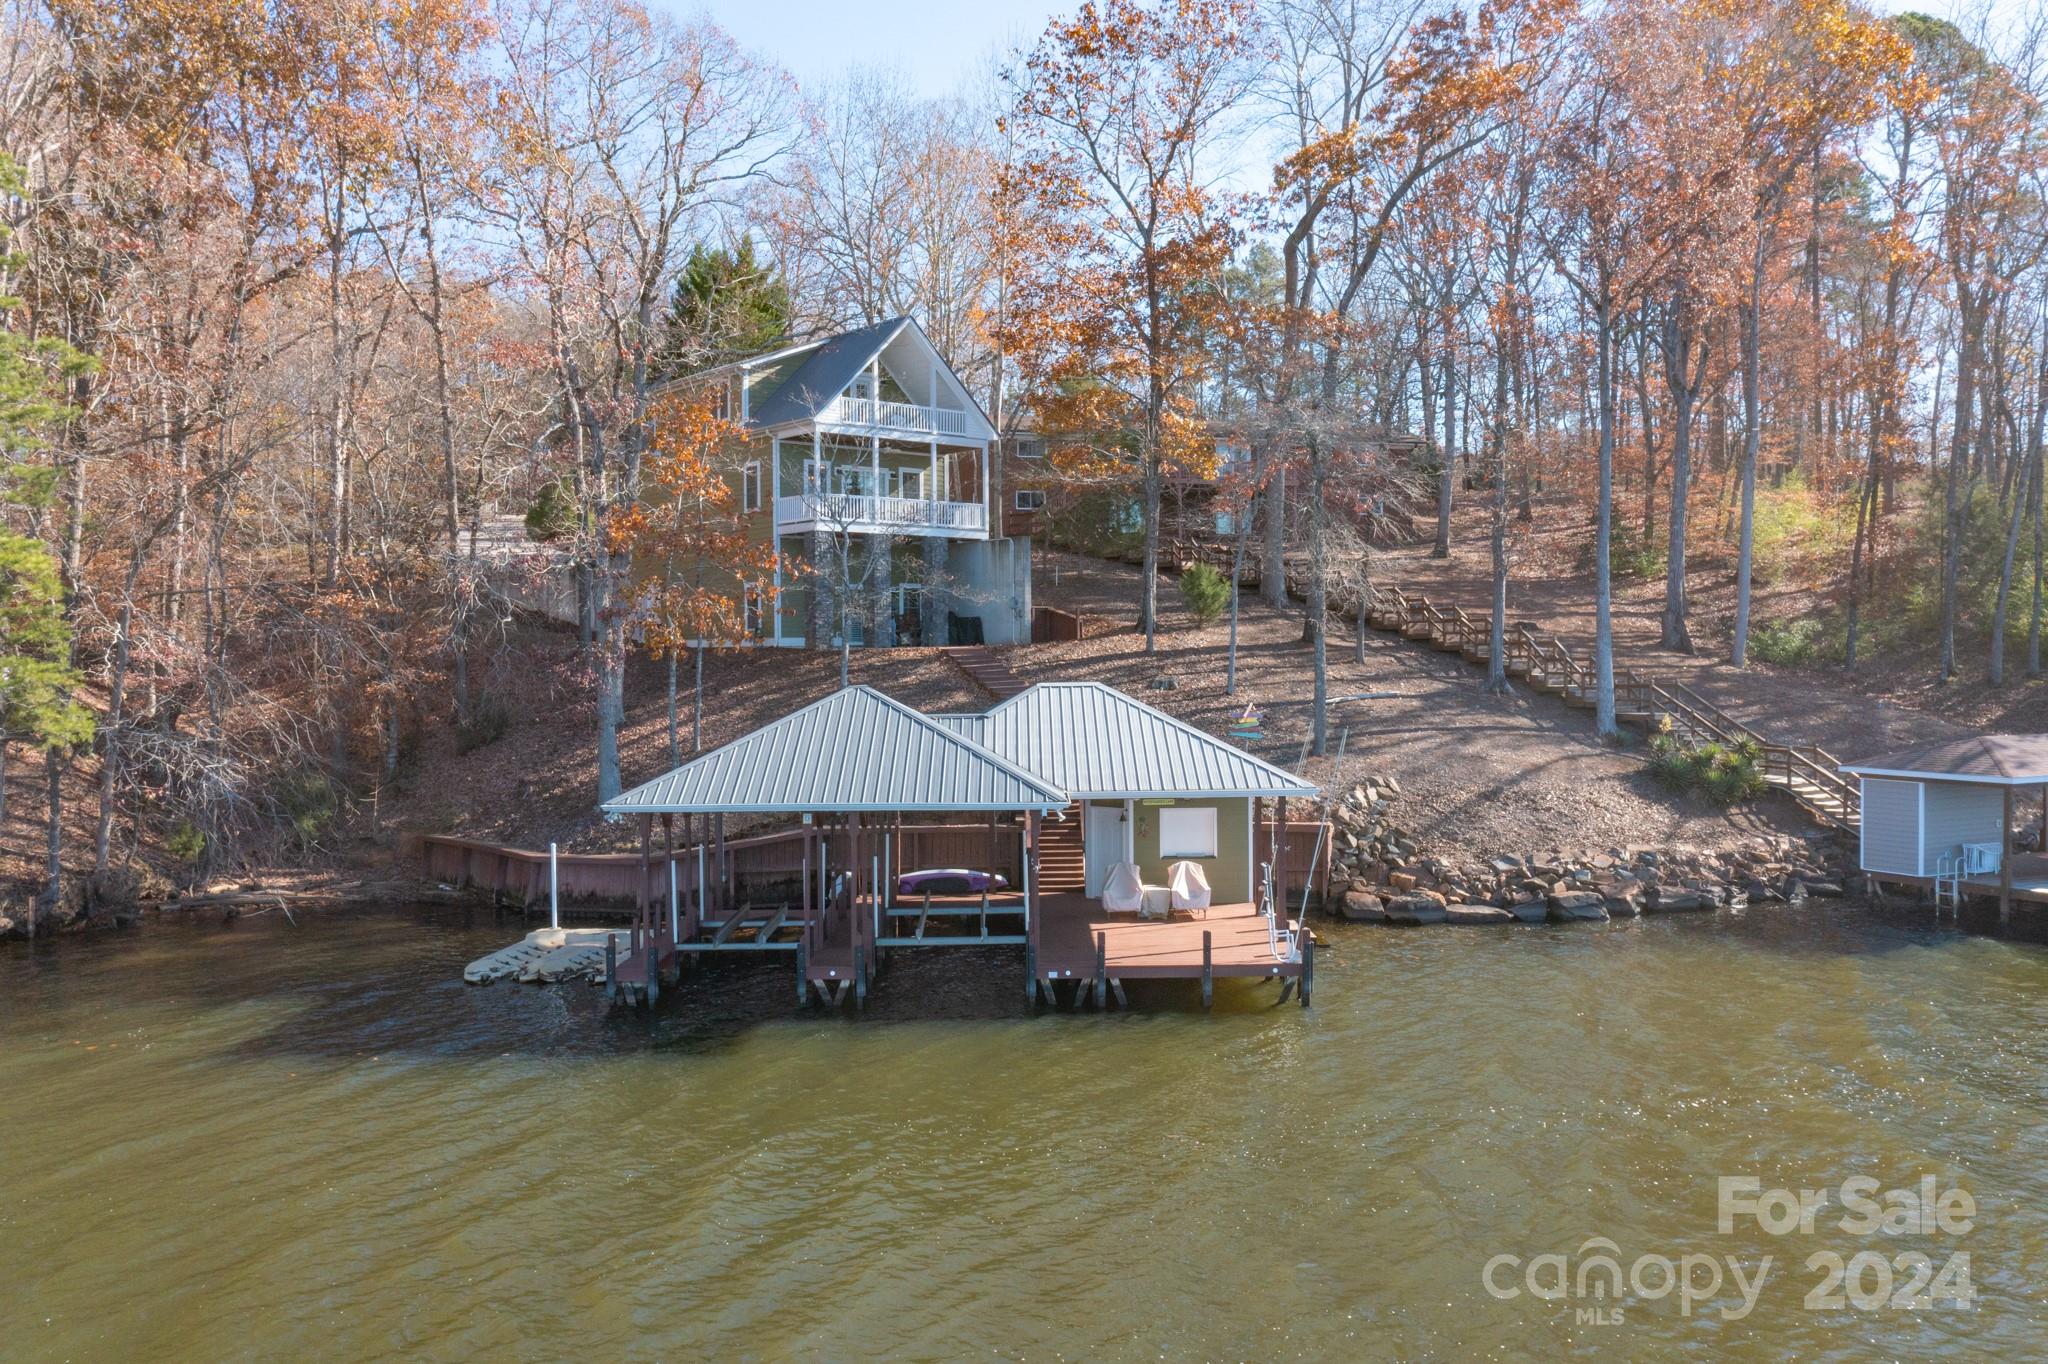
column 1100, row 993
column 1308, row 964
column 611, row 967
column 1208, row 973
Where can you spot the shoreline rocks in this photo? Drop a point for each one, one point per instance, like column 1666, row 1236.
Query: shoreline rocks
column 1380, row 874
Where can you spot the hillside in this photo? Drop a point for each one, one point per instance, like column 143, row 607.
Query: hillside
column 1481, row 775
column 1894, row 699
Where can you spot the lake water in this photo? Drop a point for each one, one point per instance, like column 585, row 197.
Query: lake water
column 262, row 1141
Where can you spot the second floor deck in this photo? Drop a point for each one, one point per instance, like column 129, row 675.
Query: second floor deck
column 868, row 514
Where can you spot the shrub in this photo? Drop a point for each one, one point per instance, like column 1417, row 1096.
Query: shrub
column 553, row 513
column 488, row 722
column 185, row 842
column 1721, row 774
column 1630, row 553
column 309, row 804
column 1797, row 643
column 1205, row 591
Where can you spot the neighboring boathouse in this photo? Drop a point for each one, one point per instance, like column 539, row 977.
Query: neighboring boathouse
column 1940, row 815
column 1107, row 839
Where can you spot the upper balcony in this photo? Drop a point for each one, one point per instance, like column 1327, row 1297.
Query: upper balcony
column 864, row 514
column 886, row 418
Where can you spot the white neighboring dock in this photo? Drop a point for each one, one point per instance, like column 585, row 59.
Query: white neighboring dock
column 548, row 954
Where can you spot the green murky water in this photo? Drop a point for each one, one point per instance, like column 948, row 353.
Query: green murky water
column 268, row 1142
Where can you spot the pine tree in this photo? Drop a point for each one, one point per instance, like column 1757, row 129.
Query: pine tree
column 727, row 305
column 37, row 676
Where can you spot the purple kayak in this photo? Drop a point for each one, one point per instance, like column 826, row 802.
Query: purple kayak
column 947, row 881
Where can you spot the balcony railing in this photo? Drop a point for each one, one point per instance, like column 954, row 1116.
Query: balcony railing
column 863, row 514
column 872, row 412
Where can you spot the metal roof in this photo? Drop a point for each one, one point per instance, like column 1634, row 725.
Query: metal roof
column 854, row 750
column 1986, row 759
column 823, row 375
column 1093, row 741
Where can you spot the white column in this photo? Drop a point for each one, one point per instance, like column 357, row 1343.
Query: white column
column 1130, row 831
column 775, row 531
column 875, row 465
column 931, row 483
column 554, row 889
column 987, row 510
column 816, row 481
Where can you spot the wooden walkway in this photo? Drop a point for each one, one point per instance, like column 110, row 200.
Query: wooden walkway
column 986, row 671
column 1811, row 776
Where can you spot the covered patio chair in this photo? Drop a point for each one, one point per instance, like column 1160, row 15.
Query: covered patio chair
column 1190, row 888
column 1123, row 892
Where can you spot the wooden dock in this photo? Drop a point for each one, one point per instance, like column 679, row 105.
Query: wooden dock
column 821, row 897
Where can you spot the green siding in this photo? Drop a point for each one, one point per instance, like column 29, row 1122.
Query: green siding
column 1228, row 871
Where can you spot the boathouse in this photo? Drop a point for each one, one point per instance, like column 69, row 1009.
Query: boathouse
column 878, row 829
column 1150, row 790
column 1940, row 816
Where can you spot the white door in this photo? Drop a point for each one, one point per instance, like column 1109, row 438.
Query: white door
column 1102, row 847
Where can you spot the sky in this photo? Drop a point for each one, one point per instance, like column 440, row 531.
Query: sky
column 935, row 44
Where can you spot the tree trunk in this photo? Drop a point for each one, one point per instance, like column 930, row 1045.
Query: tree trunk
column 110, row 728
column 1752, row 363
column 1273, row 567
column 1446, row 488
column 2034, row 498
column 1236, row 573
column 1953, row 502
column 54, row 765
column 1319, row 593
column 1603, row 585
column 675, row 752
column 1148, row 600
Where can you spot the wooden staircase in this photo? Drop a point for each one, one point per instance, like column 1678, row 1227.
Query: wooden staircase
column 1061, row 865
column 1811, row 776
column 987, row 671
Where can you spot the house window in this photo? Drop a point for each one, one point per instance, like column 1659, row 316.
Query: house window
column 909, row 483
column 721, row 402
column 1030, row 499
column 751, row 605
column 750, row 487
column 1187, row 832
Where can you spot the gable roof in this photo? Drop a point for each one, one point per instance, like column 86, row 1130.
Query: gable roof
column 832, row 364
column 1988, row 759
column 835, row 362
column 855, row 750
column 1094, row 742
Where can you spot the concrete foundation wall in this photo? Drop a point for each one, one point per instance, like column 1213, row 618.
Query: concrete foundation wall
column 990, row 579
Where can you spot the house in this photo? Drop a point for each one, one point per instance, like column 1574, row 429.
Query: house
column 867, row 465
column 1939, row 816
column 1032, row 803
